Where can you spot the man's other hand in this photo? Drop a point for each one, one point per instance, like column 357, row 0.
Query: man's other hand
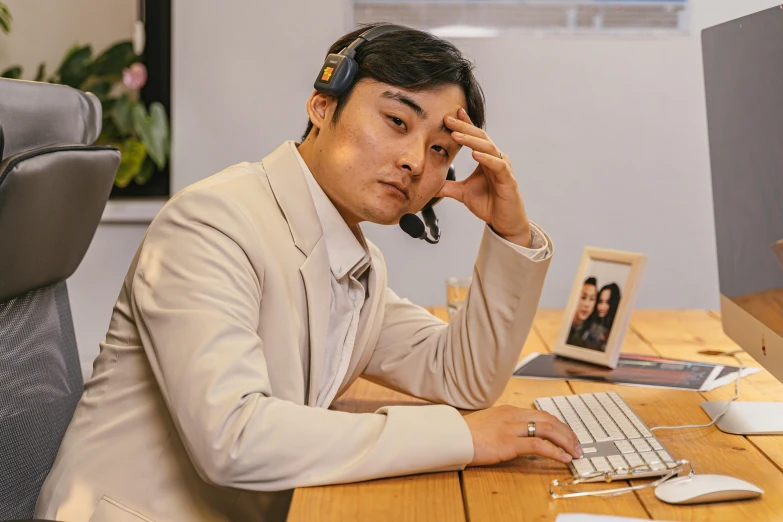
column 501, row 434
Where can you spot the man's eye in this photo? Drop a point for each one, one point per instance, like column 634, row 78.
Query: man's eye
column 440, row 150
column 398, row 122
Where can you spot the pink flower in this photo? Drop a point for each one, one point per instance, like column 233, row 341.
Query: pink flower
column 135, row 76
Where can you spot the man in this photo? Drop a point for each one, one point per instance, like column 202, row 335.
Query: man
column 254, row 301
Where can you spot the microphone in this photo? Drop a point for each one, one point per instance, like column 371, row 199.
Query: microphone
column 432, row 222
column 414, row 227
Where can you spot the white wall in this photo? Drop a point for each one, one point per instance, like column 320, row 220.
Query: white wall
column 43, row 30
column 607, row 135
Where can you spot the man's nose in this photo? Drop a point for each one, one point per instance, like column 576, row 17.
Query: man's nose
column 412, row 160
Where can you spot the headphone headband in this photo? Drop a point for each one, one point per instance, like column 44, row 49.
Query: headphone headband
column 339, row 70
column 369, row 35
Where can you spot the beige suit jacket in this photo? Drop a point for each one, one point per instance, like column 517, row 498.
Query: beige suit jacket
column 199, row 403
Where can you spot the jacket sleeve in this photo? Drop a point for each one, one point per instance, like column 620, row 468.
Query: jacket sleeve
column 196, row 299
column 468, row 362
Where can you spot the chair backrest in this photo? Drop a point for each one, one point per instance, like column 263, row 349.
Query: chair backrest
column 53, row 188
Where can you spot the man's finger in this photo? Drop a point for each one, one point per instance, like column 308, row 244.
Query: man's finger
column 562, row 428
column 462, row 114
column 541, row 447
column 497, row 168
column 451, row 189
column 463, row 124
column 464, row 127
column 560, row 436
column 476, row 143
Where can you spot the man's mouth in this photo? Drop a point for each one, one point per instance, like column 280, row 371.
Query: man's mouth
column 399, row 188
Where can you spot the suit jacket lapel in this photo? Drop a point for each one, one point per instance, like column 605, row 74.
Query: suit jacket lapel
column 315, row 273
column 293, row 196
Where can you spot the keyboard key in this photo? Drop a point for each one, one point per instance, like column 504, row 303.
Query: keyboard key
column 655, row 444
column 649, row 457
column 583, row 437
column 601, row 464
column 583, row 466
column 548, row 405
column 640, row 445
column 629, row 431
column 589, row 450
column 635, row 460
column 667, row 459
column 624, row 446
column 618, row 462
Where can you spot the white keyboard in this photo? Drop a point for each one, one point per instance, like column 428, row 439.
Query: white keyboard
column 612, row 436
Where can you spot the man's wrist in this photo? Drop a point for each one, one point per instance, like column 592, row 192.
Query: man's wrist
column 523, row 239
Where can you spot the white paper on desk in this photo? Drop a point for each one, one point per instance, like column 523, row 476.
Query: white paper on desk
column 582, row 517
column 717, row 382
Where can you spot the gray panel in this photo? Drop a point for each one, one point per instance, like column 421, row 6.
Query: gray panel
column 743, row 70
column 40, row 384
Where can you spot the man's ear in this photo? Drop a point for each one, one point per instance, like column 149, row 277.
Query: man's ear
column 320, row 108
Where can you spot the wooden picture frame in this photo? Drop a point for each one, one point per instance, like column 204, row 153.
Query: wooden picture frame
column 609, row 279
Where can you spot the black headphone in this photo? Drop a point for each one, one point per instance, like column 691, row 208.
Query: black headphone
column 335, row 77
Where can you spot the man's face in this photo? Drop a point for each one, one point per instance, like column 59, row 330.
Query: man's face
column 389, row 151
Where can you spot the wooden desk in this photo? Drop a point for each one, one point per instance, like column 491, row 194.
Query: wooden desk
column 518, row 490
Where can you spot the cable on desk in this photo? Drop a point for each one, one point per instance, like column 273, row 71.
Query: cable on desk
column 728, row 403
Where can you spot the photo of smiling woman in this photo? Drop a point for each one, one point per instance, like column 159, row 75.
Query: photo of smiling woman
column 584, row 310
column 599, row 324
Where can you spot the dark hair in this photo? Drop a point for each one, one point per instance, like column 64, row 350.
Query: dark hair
column 614, row 303
column 592, row 281
column 413, row 60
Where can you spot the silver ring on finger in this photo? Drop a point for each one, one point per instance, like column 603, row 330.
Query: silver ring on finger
column 531, row 429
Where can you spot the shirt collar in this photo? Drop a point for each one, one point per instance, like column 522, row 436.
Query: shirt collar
column 348, row 253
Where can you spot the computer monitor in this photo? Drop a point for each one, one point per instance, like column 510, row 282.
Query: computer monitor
column 743, row 76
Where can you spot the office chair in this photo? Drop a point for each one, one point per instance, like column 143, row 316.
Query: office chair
column 53, row 189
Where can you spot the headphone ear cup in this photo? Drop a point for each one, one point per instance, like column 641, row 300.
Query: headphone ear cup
column 450, row 176
column 336, row 75
column 344, row 76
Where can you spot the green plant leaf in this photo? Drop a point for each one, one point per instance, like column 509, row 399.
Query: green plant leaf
column 113, row 60
column 100, row 89
column 5, row 18
column 14, row 73
column 75, row 67
column 122, row 115
column 41, row 74
column 146, row 172
column 133, row 155
column 153, row 129
column 110, row 135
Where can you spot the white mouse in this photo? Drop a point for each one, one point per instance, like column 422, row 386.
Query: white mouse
column 706, row 488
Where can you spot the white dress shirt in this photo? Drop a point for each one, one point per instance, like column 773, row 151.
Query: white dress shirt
column 350, row 262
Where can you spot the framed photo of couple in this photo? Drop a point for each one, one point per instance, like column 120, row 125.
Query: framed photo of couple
column 600, row 305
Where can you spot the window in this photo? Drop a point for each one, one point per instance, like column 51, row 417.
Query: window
column 481, row 18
